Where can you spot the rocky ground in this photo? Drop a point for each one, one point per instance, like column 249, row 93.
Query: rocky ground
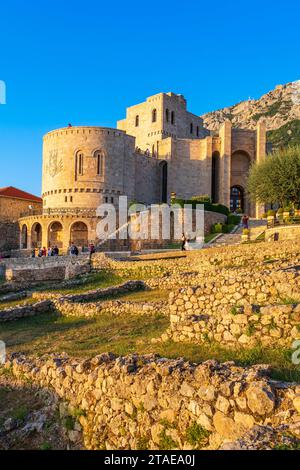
column 204, row 400
column 30, row 418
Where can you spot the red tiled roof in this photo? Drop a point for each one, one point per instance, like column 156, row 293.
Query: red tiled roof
column 10, row 191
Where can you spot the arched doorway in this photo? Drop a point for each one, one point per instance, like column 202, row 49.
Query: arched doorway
column 24, row 237
column 236, row 198
column 36, row 236
column 215, row 170
column 240, row 165
column 55, row 235
column 164, row 181
column 79, row 234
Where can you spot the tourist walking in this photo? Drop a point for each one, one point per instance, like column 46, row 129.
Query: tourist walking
column 55, row 251
column 245, row 221
column 92, row 248
column 74, row 250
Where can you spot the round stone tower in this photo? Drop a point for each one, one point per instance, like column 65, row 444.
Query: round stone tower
column 86, row 166
column 83, row 167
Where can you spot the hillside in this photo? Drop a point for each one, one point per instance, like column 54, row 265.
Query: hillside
column 279, row 107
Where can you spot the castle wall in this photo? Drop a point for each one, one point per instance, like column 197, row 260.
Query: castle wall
column 189, row 166
column 147, row 179
column 148, row 133
column 9, row 236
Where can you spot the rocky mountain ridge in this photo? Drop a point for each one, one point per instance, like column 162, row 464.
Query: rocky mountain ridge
column 280, row 108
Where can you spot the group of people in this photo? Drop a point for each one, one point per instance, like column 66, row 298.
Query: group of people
column 42, row 252
column 54, row 251
column 74, row 251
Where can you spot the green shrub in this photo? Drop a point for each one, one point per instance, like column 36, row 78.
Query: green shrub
column 271, row 213
column 166, row 442
column 143, row 443
column 209, row 207
column 233, row 219
column 217, row 228
column 197, row 435
column 201, row 199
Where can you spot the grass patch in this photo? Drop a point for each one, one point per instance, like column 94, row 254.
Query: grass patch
column 16, row 303
column 142, row 296
column 210, row 237
column 86, row 337
column 20, row 413
column 197, row 435
column 143, row 443
column 101, row 279
column 166, row 442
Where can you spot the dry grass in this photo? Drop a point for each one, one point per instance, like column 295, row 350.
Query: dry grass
column 128, row 334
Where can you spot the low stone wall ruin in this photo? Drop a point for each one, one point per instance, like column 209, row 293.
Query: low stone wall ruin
column 114, row 307
column 147, row 402
column 52, row 268
column 24, row 311
column 235, row 310
column 85, row 304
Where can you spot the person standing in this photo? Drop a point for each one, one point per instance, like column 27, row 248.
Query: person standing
column 183, row 242
column 245, row 221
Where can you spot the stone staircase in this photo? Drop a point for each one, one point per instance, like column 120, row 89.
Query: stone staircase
column 256, row 226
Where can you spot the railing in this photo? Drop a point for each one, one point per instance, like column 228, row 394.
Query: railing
column 61, row 211
column 29, row 213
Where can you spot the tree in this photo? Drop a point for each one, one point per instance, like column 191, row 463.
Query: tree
column 277, row 178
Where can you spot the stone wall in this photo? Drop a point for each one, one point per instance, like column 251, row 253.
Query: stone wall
column 288, row 232
column 114, row 307
column 240, row 297
column 83, row 304
column 24, row 311
column 147, row 402
column 11, row 208
column 9, row 236
column 268, row 326
column 46, row 268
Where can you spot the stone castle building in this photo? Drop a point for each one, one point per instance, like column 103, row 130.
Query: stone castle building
column 159, row 148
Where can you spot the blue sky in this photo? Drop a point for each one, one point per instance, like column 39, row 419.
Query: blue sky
column 85, row 62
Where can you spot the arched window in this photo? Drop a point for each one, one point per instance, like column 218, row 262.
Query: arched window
column 78, row 164
column 197, row 131
column 154, row 115
column 137, row 121
column 100, row 162
column 167, row 115
column 172, row 117
column 191, row 128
